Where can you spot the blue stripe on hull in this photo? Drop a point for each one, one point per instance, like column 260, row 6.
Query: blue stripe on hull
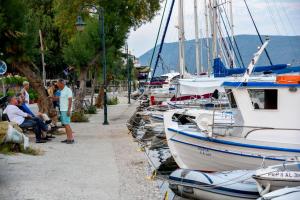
column 157, row 118
column 235, row 143
column 228, row 152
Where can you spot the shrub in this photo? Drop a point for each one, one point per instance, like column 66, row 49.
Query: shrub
column 79, row 117
column 33, row 94
column 112, row 101
column 91, row 110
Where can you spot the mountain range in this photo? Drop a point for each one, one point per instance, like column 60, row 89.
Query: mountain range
column 282, row 50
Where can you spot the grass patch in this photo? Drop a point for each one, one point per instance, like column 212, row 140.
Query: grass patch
column 91, row 110
column 79, row 117
column 112, row 101
column 11, row 149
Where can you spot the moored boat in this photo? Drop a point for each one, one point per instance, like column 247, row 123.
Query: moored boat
column 268, row 131
column 230, row 185
column 283, row 194
column 277, row 177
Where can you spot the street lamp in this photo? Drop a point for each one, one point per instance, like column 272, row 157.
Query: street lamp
column 80, row 23
column 80, row 26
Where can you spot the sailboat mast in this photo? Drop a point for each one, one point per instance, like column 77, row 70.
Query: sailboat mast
column 207, row 34
column 215, row 29
column 197, row 41
column 232, row 33
column 181, row 39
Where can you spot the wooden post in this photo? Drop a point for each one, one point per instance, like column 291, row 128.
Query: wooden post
column 43, row 58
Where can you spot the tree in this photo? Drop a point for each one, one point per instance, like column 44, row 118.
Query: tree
column 120, row 17
column 18, row 40
column 80, row 52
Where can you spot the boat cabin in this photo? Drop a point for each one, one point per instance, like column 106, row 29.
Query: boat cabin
column 267, row 104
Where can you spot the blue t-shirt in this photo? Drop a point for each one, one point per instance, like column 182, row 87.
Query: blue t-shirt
column 57, row 93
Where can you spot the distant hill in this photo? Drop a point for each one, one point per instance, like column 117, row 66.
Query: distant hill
column 282, row 49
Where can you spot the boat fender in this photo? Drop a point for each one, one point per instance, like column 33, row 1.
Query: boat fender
column 262, row 191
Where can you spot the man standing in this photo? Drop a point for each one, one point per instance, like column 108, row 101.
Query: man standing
column 65, row 107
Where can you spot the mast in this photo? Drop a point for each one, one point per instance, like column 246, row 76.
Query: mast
column 181, row 39
column 197, row 41
column 215, row 29
column 232, row 33
column 207, row 34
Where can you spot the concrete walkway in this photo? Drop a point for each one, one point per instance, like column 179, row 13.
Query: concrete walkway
column 102, row 164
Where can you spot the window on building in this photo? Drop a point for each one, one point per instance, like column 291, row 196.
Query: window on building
column 264, row 98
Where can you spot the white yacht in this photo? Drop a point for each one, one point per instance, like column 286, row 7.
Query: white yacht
column 263, row 127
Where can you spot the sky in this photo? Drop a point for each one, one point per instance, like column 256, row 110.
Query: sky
column 273, row 17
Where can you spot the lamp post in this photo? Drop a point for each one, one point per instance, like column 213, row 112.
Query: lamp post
column 128, row 72
column 80, row 26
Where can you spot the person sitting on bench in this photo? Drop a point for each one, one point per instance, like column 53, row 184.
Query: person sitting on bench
column 25, row 120
column 24, row 107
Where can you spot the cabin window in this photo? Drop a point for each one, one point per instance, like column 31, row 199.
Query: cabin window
column 264, row 99
column 231, row 98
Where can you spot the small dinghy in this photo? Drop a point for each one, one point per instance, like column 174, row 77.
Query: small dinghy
column 277, row 176
column 283, row 194
column 230, row 185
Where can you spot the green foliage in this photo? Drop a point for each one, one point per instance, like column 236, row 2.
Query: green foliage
column 33, row 95
column 112, row 101
column 44, row 14
column 120, row 17
column 19, row 34
column 91, row 110
column 79, row 117
column 14, row 80
column 83, row 47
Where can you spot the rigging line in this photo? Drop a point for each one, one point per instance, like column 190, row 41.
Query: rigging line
column 230, row 42
column 287, row 17
column 164, row 63
column 260, row 38
column 163, row 38
column 236, row 45
column 279, row 14
column 270, row 12
column 224, row 44
column 154, row 48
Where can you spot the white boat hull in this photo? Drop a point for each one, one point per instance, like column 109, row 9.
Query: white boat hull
column 197, row 151
column 278, row 176
column 235, row 185
column 283, row 194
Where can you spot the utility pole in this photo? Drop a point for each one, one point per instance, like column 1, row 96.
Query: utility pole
column 181, row 39
column 197, row 41
column 43, row 58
